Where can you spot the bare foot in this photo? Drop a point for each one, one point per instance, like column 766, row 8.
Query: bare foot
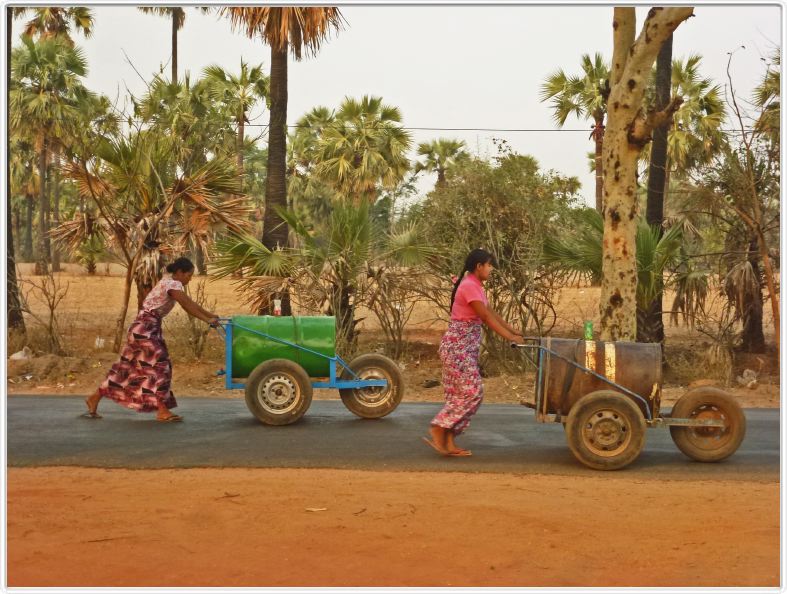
column 92, row 404
column 438, row 437
column 452, row 448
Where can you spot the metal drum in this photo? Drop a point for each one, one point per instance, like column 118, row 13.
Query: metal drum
column 316, row 333
column 633, row 365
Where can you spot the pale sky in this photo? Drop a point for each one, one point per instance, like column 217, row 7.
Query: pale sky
column 443, row 66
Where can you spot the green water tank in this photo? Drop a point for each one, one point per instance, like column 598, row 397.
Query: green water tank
column 317, row 333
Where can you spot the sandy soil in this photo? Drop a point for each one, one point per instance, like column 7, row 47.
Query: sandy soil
column 255, row 527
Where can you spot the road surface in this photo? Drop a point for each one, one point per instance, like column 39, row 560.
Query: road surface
column 47, row 431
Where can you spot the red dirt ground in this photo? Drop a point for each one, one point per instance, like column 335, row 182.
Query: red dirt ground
column 267, row 527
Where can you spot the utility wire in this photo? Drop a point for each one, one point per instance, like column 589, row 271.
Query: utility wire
column 588, row 129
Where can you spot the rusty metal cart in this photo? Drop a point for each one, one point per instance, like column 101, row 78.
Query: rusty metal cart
column 607, row 393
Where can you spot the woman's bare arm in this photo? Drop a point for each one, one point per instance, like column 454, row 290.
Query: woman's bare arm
column 191, row 308
column 487, row 317
column 500, row 319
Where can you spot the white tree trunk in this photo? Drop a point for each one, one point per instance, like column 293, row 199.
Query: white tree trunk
column 628, row 130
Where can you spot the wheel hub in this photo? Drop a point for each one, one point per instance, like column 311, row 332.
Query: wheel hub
column 606, row 432
column 279, row 393
column 373, row 395
column 709, row 411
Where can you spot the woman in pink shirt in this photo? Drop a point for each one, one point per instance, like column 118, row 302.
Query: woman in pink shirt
column 141, row 379
column 459, row 352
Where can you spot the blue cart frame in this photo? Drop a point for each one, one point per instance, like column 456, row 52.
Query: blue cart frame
column 226, row 325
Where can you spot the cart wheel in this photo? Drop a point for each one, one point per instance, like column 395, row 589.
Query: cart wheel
column 278, row 392
column 708, row 444
column 373, row 402
column 605, row 430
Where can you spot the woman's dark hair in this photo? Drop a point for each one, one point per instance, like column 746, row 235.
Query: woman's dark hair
column 181, row 264
column 474, row 258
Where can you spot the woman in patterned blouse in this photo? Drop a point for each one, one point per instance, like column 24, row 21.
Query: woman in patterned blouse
column 141, row 379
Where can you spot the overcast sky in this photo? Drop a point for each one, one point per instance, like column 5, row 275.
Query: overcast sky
column 443, row 66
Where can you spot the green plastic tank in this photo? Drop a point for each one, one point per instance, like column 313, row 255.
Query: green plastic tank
column 317, row 333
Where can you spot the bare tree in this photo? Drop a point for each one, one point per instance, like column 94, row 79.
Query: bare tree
column 628, row 131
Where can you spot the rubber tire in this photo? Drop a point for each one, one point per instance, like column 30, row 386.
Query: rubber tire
column 587, row 406
column 279, row 366
column 395, row 390
column 684, row 437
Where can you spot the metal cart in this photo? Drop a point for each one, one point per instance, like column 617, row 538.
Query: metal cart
column 282, row 359
column 607, row 393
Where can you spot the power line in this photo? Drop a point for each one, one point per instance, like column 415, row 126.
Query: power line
column 438, row 129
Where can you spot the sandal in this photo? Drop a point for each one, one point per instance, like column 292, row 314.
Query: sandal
column 437, row 448
column 90, row 414
column 169, row 419
column 460, row 453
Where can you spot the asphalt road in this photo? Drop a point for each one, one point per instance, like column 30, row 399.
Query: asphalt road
column 47, row 431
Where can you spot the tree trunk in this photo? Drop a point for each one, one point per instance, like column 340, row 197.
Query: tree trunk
column 241, row 124
column 56, row 209
column 650, row 326
column 598, row 136
column 752, row 337
column 17, row 229
column 27, row 249
column 175, row 45
column 16, row 320
column 275, row 231
column 120, row 323
column 199, row 257
column 628, row 130
column 769, row 279
column 42, row 260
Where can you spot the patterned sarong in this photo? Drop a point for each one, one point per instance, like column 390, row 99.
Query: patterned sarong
column 142, row 377
column 464, row 390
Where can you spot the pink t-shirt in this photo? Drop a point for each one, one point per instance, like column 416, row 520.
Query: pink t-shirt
column 158, row 299
column 470, row 289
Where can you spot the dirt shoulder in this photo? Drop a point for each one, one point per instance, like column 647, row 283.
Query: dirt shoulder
column 256, row 527
column 49, row 374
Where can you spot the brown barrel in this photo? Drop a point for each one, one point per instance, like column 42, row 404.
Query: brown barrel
column 633, row 365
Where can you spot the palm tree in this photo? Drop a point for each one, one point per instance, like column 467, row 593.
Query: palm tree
column 695, row 136
column 298, row 30
column 364, row 150
column 651, row 320
column 239, row 94
column 329, row 266
column 767, row 97
column 46, row 83
column 24, row 181
column 47, row 23
column 52, row 21
column 16, row 320
column 439, row 155
column 584, row 96
column 308, row 195
column 178, row 17
column 658, row 253
column 146, row 206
